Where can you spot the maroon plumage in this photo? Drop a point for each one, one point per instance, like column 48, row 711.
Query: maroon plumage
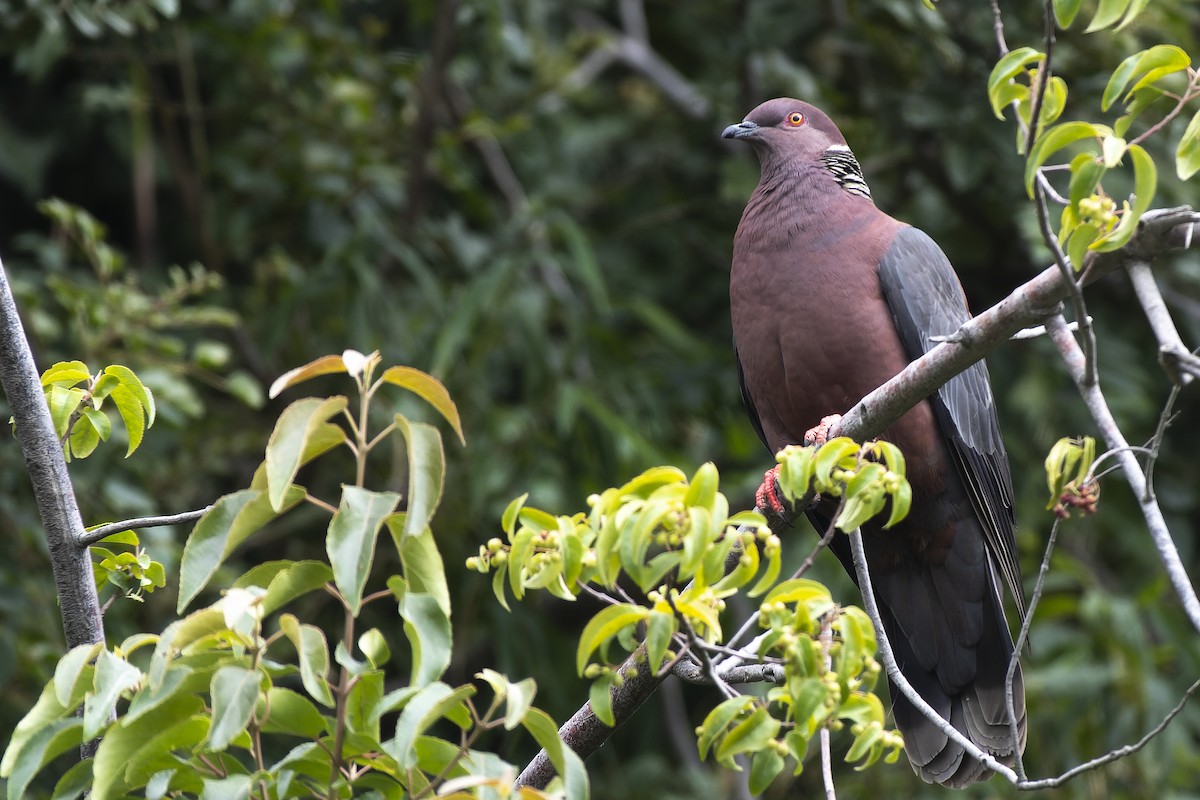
column 830, row 298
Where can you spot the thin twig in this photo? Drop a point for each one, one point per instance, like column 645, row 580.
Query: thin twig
column 94, row 535
column 1022, row 638
column 888, row 657
column 1164, row 420
column 1093, row 398
column 1120, row 752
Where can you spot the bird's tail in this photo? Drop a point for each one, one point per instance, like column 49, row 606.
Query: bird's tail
column 978, row 710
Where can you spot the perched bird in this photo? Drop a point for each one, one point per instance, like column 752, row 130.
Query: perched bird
column 830, row 298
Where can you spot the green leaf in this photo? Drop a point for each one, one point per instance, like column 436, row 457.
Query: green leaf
column 70, row 669
column 73, row 783
column 1151, row 64
column 424, row 570
column 325, row 365
column 508, row 521
column 565, row 761
column 1108, row 12
column 132, row 415
column 423, row 709
column 310, row 644
column 828, row 456
column 429, row 389
column 285, row 581
column 132, row 384
column 374, row 647
column 426, row 472
column 1086, row 172
column 351, row 539
column 1145, row 179
column 1056, row 139
column 1135, row 10
column 363, row 705
column 1187, row 154
column 764, row 768
column 234, row 787
column 428, row 631
column 172, row 726
column 718, row 721
column 42, row 748
column 1065, row 11
column 1015, row 63
column 748, row 736
column 298, row 423
column 63, row 403
column 293, row 714
column 600, row 698
column 113, row 676
column 605, row 625
column 230, row 521
column 702, row 490
column 66, row 374
column 234, row 693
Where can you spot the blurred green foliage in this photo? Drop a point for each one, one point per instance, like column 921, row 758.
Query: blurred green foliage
column 482, row 189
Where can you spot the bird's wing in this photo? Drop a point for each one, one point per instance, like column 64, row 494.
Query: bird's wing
column 747, row 401
column 926, row 300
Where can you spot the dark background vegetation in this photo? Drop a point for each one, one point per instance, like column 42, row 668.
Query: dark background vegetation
column 450, row 183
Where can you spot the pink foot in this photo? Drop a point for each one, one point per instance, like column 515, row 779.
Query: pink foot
column 820, row 434
column 767, row 497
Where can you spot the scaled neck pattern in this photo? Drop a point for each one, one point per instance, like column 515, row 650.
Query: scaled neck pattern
column 844, row 166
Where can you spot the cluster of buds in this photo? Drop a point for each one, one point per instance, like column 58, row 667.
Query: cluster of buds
column 1085, row 498
column 1099, row 210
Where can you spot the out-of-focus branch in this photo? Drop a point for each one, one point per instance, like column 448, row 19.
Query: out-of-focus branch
column 631, row 47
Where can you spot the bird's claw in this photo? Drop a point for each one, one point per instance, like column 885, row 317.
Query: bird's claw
column 767, row 497
column 820, row 434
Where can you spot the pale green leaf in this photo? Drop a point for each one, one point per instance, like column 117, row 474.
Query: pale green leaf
column 132, row 384
column 429, row 634
column 565, row 761
column 350, row 542
column 1065, row 11
column 293, row 714
column 1056, row 139
column 1014, row 63
column 604, row 626
column 173, row 725
column 310, row 644
column 69, row 670
column 297, row 425
column 426, row 472
column 424, row 570
column 113, row 677
column 1187, row 154
column 40, row 749
column 230, row 521
column 234, row 693
column 1107, row 14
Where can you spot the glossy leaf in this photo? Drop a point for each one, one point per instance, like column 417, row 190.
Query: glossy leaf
column 564, row 759
column 1056, row 139
column 1107, row 14
column 428, row 631
column 290, row 713
column 172, row 726
column 426, row 472
column 114, row 676
column 1014, row 63
column 1151, row 64
column 230, row 521
column 603, row 627
column 310, row 644
column 1065, row 11
column 424, row 569
column 296, row 426
column 423, row 709
column 40, row 749
column 234, row 694
column 352, row 536
column 1187, row 153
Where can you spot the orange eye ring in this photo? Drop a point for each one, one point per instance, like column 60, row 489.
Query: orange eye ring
column 795, row 119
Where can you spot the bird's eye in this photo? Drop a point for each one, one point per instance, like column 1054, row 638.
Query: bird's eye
column 795, row 119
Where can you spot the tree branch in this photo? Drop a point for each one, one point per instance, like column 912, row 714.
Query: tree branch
column 89, row 538
column 1093, row 398
column 78, row 605
column 1176, row 359
column 1159, row 231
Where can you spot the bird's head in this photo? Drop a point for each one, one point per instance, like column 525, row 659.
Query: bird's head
column 786, row 132
column 788, row 127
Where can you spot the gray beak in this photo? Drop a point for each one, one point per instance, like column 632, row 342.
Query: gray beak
column 742, row 130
